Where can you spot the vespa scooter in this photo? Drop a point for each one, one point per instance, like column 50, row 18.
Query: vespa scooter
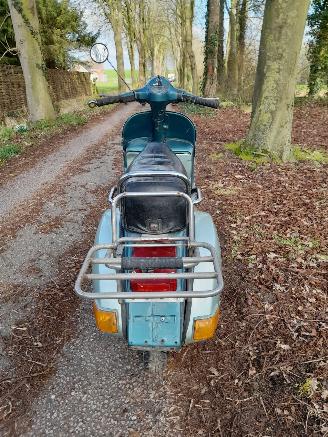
column 155, row 267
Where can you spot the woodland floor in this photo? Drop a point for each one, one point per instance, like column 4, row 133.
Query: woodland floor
column 265, row 373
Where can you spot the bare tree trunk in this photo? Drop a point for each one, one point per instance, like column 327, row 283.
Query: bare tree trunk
column 141, row 40
column 220, row 62
column 232, row 62
column 113, row 12
column 189, row 20
column 26, row 27
column 129, row 23
column 132, row 66
column 182, row 19
column 273, row 98
column 211, row 48
column 117, row 26
column 242, row 19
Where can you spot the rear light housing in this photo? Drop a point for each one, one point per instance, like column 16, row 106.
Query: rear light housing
column 147, row 285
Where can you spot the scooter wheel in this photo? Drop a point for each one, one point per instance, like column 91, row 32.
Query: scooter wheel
column 157, row 361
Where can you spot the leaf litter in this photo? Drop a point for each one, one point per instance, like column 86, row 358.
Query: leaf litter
column 265, row 372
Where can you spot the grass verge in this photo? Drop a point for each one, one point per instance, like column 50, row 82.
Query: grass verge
column 14, row 141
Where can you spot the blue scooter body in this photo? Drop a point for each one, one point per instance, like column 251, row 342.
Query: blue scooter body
column 159, row 324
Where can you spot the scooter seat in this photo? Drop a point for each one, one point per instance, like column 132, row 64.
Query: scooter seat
column 157, row 157
column 155, row 214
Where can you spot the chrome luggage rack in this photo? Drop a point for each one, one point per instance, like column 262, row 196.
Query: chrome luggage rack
column 116, row 262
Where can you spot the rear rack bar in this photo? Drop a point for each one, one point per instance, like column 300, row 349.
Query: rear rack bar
column 119, row 295
column 185, row 260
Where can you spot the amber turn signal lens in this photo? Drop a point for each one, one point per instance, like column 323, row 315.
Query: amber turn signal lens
column 205, row 328
column 106, row 320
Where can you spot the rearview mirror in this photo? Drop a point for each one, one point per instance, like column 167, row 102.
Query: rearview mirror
column 99, row 53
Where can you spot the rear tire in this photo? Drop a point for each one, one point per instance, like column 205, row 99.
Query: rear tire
column 157, row 362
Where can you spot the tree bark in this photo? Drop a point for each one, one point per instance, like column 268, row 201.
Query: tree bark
column 273, row 98
column 132, row 66
column 117, row 25
column 188, row 39
column 211, row 48
column 113, row 13
column 141, row 41
column 129, row 23
column 232, row 61
column 26, row 27
column 220, row 54
column 242, row 21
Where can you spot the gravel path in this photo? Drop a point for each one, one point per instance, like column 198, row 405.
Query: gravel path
column 101, row 388
column 98, row 386
column 46, row 171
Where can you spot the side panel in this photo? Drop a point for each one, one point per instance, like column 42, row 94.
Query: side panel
column 104, row 236
column 205, row 231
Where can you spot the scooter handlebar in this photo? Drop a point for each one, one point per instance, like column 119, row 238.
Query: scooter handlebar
column 108, row 100
column 202, row 101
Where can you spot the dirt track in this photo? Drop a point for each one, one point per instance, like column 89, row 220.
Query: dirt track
column 58, row 375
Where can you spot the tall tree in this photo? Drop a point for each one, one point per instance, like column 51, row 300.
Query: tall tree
column 211, row 48
column 281, row 39
column 129, row 24
column 26, row 27
column 220, row 54
column 318, row 45
column 242, row 24
column 141, row 29
column 113, row 12
column 186, row 63
column 62, row 30
column 190, row 9
column 232, row 58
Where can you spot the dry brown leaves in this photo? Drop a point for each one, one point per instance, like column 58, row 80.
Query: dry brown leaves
column 266, row 371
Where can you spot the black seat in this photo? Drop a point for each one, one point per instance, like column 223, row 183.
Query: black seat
column 155, row 215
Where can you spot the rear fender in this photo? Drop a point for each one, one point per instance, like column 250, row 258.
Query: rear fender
column 203, row 308
column 104, row 236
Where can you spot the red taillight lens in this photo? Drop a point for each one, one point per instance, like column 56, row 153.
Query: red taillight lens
column 154, row 284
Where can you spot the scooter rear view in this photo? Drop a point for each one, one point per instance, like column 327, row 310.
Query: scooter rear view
column 155, row 267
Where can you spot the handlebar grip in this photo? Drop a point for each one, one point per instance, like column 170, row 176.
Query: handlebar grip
column 108, row 100
column 202, row 101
